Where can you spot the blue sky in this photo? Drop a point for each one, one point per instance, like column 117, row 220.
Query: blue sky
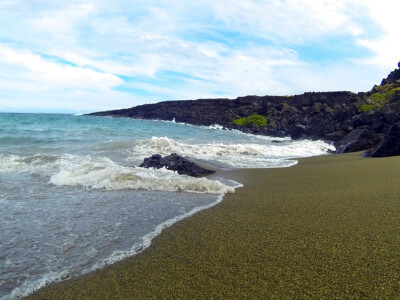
column 82, row 56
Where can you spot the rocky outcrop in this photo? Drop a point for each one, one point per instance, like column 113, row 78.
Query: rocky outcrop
column 392, row 77
column 357, row 140
column 354, row 122
column 390, row 144
column 319, row 113
column 176, row 163
column 297, row 132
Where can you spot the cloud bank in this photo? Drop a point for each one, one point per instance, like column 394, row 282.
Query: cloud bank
column 81, row 56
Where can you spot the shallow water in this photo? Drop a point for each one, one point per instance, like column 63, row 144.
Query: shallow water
column 72, row 198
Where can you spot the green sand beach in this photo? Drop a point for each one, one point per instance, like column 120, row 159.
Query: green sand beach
column 326, row 228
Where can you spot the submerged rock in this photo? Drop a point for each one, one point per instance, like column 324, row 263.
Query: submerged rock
column 390, row 144
column 175, row 162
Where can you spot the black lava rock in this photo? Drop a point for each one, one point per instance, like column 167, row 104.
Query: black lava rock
column 297, row 132
column 357, row 140
column 390, row 144
column 330, row 116
column 175, row 162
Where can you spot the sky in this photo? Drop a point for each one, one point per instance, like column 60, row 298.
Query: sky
column 81, row 56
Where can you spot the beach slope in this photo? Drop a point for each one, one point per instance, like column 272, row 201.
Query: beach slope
column 328, row 227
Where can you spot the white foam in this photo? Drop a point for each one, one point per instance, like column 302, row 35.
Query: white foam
column 30, row 286
column 38, row 164
column 245, row 155
column 220, row 127
column 216, row 127
column 103, row 173
column 146, row 240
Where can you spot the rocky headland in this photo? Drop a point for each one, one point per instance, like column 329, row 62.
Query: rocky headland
column 354, row 122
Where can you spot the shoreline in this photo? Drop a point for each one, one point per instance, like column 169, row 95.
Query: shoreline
column 326, row 227
column 148, row 238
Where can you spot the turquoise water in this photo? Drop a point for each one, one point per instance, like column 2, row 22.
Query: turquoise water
column 73, row 200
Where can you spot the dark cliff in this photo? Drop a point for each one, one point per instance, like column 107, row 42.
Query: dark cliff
column 327, row 115
column 283, row 113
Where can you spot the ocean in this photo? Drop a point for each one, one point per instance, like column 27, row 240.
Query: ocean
column 73, row 199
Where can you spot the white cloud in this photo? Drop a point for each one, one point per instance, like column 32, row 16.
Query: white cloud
column 62, row 51
column 290, row 20
column 253, row 70
column 66, row 101
column 387, row 46
column 62, row 20
column 53, row 75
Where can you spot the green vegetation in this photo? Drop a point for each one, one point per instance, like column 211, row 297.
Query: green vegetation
column 378, row 97
column 381, row 95
column 386, row 88
column 253, row 120
column 377, row 100
column 392, row 91
column 366, row 107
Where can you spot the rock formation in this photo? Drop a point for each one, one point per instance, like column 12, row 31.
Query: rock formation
column 354, row 122
column 357, row 140
column 176, row 163
column 390, row 144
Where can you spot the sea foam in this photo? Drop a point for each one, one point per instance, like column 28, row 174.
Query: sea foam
column 103, row 173
column 267, row 154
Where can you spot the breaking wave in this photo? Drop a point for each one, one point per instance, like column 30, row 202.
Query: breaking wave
column 271, row 153
column 103, row 173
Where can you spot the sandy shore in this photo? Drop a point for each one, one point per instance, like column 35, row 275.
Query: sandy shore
column 326, row 228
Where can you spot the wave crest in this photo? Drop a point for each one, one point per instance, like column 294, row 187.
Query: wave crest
column 103, row 173
column 267, row 154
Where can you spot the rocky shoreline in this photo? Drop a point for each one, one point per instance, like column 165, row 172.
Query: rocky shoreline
column 353, row 122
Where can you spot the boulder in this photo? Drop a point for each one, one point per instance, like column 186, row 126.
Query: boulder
column 363, row 119
column 272, row 132
column 390, row 116
column 390, row 144
column 297, row 132
column 378, row 125
column 357, row 140
column 175, row 162
column 336, row 136
column 347, row 125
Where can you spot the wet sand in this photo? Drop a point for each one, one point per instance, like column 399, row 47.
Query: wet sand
column 328, row 227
